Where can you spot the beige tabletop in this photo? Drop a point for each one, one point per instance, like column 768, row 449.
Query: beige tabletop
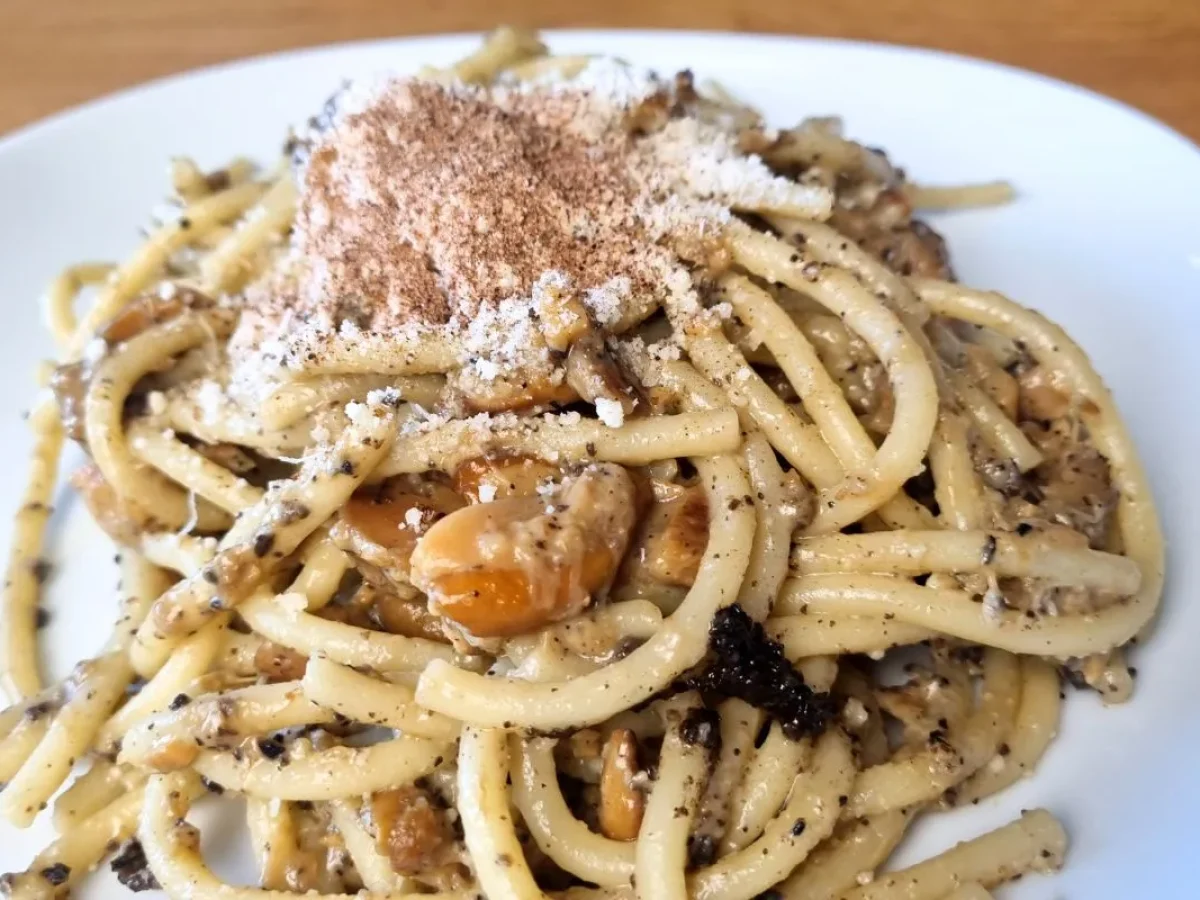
column 55, row 53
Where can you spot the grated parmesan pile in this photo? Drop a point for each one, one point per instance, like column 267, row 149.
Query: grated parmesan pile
column 452, row 207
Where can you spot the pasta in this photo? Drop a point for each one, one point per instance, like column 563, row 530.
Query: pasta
column 531, row 487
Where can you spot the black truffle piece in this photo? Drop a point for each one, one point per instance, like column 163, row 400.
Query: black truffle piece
column 131, row 868
column 743, row 662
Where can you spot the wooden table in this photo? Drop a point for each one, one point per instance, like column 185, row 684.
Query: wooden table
column 54, row 53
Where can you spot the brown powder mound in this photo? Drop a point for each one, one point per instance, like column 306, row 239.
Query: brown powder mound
column 481, row 210
column 433, row 201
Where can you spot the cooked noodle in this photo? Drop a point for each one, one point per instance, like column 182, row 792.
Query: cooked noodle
column 567, row 560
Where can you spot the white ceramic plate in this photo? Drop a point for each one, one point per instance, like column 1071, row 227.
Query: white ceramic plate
column 1105, row 238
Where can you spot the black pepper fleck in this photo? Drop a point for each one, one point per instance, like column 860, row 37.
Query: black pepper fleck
column 263, row 542
column 56, row 874
column 702, row 850
column 40, row 569
column 37, row 710
column 270, row 748
column 988, row 553
column 701, row 728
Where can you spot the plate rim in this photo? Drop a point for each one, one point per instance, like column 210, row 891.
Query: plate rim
column 45, row 125
column 57, row 127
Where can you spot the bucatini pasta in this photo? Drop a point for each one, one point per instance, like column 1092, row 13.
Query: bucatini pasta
column 528, row 489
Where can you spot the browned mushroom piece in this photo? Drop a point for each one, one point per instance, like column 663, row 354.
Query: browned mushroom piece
column 381, row 524
column 172, row 754
column 886, row 229
column 621, row 803
column 649, row 115
column 69, row 383
column 122, row 521
column 595, row 375
column 488, row 478
column 862, row 715
column 279, row 663
column 408, row 617
column 676, row 536
column 356, row 611
column 315, row 863
column 985, row 371
column 562, row 319
column 854, row 366
column 1044, row 395
column 758, row 141
column 148, row 310
column 139, row 314
column 888, row 211
column 925, row 705
column 410, row 830
column 510, row 567
column 1074, row 481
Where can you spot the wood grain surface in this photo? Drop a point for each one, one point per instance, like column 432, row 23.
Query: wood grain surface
column 56, row 53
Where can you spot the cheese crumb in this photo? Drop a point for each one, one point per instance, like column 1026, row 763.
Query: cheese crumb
column 610, row 412
column 487, row 493
column 211, row 399
column 486, row 369
column 665, row 351
column 387, row 396
column 608, row 301
column 358, row 413
column 854, row 713
column 94, row 351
